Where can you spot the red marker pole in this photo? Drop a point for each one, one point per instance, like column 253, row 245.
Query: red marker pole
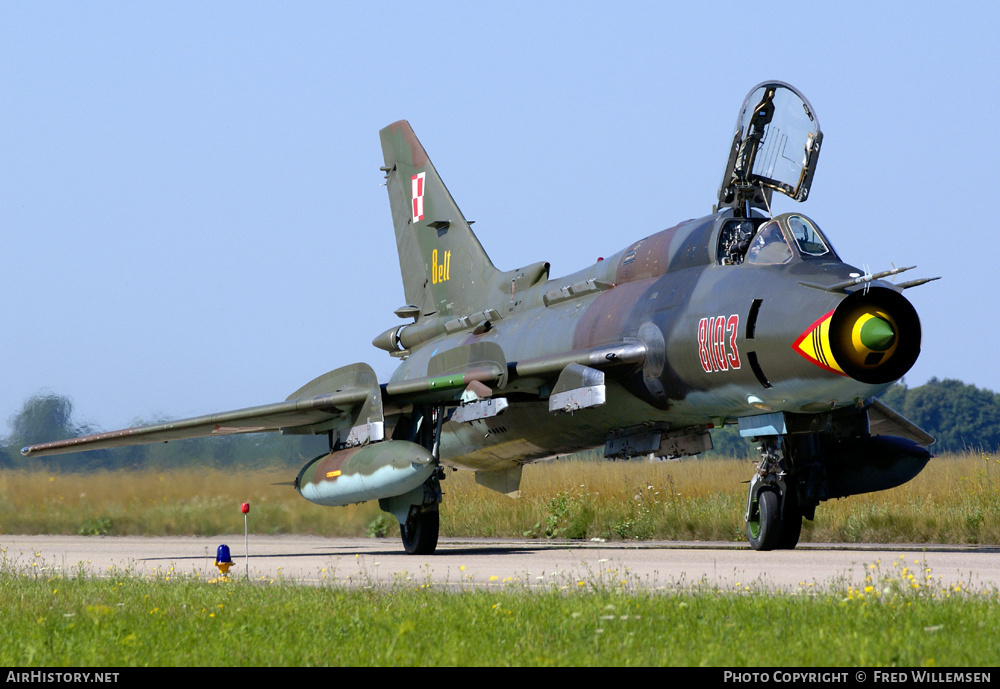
column 245, row 509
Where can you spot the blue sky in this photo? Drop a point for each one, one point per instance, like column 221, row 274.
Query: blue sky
column 191, row 204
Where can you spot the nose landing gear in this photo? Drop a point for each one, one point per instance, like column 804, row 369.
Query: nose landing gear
column 773, row 517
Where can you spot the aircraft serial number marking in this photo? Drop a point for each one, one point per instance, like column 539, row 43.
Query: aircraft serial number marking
column 440, row 272
column 713, row 351
column 417, row 195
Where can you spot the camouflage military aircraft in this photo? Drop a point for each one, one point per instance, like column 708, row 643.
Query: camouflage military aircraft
column 737, row 317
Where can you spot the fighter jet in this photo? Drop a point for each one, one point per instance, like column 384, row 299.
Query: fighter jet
column 734, row 318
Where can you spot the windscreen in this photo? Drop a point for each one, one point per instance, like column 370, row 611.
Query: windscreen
column 769, row 246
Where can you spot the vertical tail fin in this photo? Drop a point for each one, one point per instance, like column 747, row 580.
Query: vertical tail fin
column 444, row 267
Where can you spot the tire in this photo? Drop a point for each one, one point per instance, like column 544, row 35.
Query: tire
column 420, row 532
column 791, row 521
column 764, row 524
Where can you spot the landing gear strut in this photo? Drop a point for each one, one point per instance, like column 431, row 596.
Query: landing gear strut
column 419, row 529
column 773, row 517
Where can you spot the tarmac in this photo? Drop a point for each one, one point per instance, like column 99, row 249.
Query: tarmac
column 471, row 563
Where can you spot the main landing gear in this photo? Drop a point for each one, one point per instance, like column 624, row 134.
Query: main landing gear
column 773, row 515
column 417, row 511
column 420, row 530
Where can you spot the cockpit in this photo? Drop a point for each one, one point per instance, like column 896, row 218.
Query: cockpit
column 775, row 147
column 761, row 241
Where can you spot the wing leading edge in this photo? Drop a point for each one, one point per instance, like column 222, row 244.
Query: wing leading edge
column 267, row 417
column 346, row 402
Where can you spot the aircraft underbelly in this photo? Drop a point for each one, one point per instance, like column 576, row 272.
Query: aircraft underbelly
column 528, row 431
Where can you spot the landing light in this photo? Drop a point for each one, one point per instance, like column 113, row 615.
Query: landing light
column 758, row 403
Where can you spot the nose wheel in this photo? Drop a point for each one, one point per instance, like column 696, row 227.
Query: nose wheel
column 763, row 522
column 773, row 517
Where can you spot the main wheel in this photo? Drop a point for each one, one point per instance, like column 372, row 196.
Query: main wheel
column 420, row 532
column 764, row 524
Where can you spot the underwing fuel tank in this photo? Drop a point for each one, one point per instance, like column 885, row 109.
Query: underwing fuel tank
column 368, row 472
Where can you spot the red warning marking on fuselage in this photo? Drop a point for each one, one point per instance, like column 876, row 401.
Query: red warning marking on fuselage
column 814, row 345
column 417, row 195
column 717, row 343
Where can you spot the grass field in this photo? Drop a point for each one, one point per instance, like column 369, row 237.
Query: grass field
column 956, row 499
column 898, row 618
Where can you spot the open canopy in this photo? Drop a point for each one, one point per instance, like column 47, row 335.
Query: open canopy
column 775, row 147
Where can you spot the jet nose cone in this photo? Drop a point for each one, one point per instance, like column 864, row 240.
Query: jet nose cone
column 873, row 332
column 873, row 336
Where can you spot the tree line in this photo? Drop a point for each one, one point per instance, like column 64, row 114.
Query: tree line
column 961, row 417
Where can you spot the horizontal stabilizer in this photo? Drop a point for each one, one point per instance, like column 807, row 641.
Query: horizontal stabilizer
column 507, row 481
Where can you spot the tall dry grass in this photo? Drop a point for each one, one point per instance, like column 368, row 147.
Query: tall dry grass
column 956, row 499
column 690, row 500
column 155, row 503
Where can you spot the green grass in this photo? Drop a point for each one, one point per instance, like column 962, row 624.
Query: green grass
column 899, row 618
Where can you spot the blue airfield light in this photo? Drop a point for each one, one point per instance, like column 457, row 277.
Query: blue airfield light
column 222, row 559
